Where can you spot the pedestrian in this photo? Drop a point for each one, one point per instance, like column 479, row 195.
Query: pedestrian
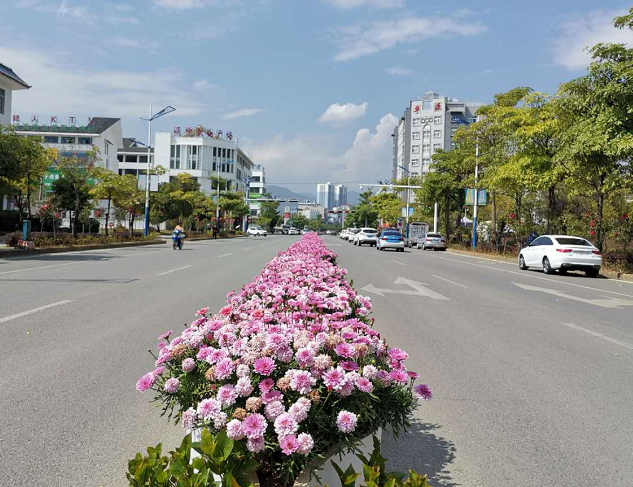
column 215, row 232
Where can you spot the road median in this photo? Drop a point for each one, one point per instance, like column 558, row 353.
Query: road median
column 8, row 253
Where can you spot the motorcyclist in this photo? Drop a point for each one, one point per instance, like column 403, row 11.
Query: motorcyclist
column 178, row 227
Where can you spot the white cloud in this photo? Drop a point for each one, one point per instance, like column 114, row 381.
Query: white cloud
column 343, row 113
column 357, row 41
column 582, row 32
column 61, row 87
column 66, row 9
column 345, row 4
column 129, row 43
column 367, row 160
column 399, row 71
column 201, row 84
column 185, row 4
column 244, row 112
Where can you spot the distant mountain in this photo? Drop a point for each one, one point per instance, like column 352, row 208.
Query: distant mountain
column 282, row 192
column 352, row 196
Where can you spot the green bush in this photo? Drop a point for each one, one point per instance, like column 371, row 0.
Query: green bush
column 11, row 239
column 47, row 239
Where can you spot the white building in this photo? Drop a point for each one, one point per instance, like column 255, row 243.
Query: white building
column 257, row 189
column 311, row 210
column 330, row 195
column 204, row 157
column 427, row 125
column 75, row 141
column 9, row 82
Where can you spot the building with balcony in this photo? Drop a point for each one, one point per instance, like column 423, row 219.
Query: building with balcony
column 331, row 196
column 257, row 189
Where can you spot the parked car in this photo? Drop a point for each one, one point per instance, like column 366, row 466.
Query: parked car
column 417, row 233
column 390, row 239
column 367, row 236
column 293, row 231
column 256, row 231
column 433, row 241
column 350, row 234
column 563, row 253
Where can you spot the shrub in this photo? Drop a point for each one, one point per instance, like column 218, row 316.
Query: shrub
column 11, row 239
column 291, row 367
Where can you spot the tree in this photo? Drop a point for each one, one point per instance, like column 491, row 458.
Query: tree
column 268, row 214
column 130, row 199
column 300, row 221
column 107, row 187
column 23, row 163
column 388, row 207
column 597, row 126
column 233, row 205
column 364, row 214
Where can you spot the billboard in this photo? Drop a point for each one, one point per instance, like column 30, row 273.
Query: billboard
column 482, row 197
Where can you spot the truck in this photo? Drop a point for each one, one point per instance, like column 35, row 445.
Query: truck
column 417, row 233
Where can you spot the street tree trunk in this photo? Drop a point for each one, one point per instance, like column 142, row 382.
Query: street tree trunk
column 447, row 215
column 494, row 220
column 107, row 218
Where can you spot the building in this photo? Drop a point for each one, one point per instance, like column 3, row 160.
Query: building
column 330, row 195
column 205, row 156
column 102, row 135
column 427, row 126
column 9, row 82
column 257, row 189
column 311, row 210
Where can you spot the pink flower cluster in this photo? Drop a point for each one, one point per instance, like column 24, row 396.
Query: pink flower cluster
column 291, row 350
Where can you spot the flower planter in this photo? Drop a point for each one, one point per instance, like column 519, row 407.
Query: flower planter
column 326, row 471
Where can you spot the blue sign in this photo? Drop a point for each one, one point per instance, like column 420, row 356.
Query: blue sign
column 459, row 120
column 482, row 197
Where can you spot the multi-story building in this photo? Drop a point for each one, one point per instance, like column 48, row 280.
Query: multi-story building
column 102, row 136
column 311, row 210
column 9, row 82
column 203, row 156
column 331, row 196
column 257, row 189
column 132, row 159
column 427, row 126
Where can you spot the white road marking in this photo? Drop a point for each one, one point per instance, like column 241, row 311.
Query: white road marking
column 600, row 335
column 336, row 245
column 174, row 270
column 142, row 253
column 449, row 281
column 248, row 248
column 420, row 289
column 398, row 262
column 613, row 303
column 532, row 275
column 224, row 255
column 35, row 310
column 41, row 267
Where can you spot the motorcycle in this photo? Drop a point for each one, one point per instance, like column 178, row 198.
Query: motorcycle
column 177, row 238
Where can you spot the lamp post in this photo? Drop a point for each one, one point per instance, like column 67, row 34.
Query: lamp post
column 475, row 196
column 406, row 231
column 164, row 111
column 247, row 188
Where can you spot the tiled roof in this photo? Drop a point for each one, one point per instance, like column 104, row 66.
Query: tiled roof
column 9, row 73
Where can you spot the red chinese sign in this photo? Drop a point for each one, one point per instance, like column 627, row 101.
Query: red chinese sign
column 438, row 106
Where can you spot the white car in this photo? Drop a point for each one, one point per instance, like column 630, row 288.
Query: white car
column 342, row 234
column 390, row 239
column 366, row 236
column 351, row 233
column 563, row 253
column 256, row 231
column 433, row 241
column 293, row 231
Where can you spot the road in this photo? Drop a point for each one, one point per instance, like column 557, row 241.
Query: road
column 531, row 373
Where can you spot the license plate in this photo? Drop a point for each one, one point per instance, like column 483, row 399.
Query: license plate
column 583, row 252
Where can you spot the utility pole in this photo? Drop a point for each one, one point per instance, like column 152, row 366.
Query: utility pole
column 475, row 196
column 149, row 156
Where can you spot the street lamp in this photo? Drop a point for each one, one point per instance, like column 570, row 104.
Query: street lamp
column 475, row 198
column 406, row 231
column 247, row 188
column 164, row 111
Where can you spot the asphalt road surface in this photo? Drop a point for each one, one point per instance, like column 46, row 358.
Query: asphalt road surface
column 532, row 375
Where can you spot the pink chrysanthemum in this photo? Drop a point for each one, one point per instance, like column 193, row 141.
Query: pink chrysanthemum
column 227, row 395
column 285, row 425
column 243, row 387
column 346, row 421
column 172, row 385
column 165, row 336
column 264, row 366
column 289, row 444
column 254, row 425
column 266, row 385
column 202, row 311
column 302, row 381
column 305, row 443
column 274, row 409
column 424, row 391
column 363, row 384
column 255, row 445
column 145, row 382
column 334, row 378
column 188, row 419
column 188, row 364
column 224, row 368
column 399, row 376
column 207, row 408
column 234, row 430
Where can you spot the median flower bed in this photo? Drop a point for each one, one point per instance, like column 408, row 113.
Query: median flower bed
column 291, row 367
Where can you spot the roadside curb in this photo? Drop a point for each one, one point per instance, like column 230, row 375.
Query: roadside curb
column 612, row 275
column 76, row 248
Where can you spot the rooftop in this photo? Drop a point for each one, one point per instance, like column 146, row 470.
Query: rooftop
column 9, row 73
column 97, row 125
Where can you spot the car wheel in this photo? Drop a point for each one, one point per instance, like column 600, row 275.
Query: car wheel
column 522, row 265
column 423, row 247
column 547, row 268
column 592, row 272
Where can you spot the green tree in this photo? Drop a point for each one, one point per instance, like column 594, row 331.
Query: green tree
column 107, row 186
column 269, row 214
column 129, row 199
column 388, row 206
column 23, row 163
column 597, row 126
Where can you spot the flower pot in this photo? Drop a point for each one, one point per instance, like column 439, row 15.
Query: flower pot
column 326, row 471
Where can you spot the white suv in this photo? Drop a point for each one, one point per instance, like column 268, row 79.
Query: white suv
column 256, row 231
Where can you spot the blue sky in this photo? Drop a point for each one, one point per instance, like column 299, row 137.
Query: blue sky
column 312, row 88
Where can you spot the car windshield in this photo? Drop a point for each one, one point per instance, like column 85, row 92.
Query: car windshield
column 354, row 230
column 573, row 241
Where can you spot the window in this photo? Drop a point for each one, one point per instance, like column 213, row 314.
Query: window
column 119, row 158
column 416, row 136
column 214, row 166
column 255, row 190
column 69, row 140
column 573, row 241
column 215, row 149
column 51, row 139
column 416, row 122
column 437, row 146
column 415, row 149
column 415, row 162
column 107, row 147
column 239, row 174
column 427, row 133
column 426, row 105
column 2, row 95
column 541, row 241
column 174, row 162
column 130, row 158
column 437, row 134
column 437, row 120
column 84, row 140
column 142, row 159
column 256, row 179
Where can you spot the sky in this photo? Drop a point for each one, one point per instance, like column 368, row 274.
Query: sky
column 311, row 88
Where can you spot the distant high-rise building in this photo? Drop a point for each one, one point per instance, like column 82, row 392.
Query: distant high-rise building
column 331, row 195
